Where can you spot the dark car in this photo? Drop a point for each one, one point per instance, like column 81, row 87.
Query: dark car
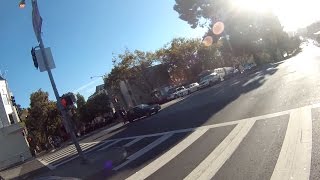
column 142, row 110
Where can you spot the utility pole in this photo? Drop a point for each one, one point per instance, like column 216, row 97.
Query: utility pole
column 65, row 116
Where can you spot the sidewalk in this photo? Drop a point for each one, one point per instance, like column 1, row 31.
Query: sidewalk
column 100, row 163
column 33, row 166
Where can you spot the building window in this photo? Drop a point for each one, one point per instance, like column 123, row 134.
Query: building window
column 5, row 99
column 11, row 119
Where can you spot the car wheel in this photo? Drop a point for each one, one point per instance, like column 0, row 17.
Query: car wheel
column 210, row 83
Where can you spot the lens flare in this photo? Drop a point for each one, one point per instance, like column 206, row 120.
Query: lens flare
column 108, row 165
column 207, row 41
column 218, row 28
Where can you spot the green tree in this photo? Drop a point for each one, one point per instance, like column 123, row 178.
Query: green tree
column 81, row 115
column 133, row 67
column 43, row 117
column 245, row 32
column 180, row 56
column 98, row 106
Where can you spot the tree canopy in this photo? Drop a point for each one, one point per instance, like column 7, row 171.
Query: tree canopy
column 43, row 117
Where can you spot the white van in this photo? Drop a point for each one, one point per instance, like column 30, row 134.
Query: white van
column 224, row 72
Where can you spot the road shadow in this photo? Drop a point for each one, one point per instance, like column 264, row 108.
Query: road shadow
column 295, row 53
column 181, row 115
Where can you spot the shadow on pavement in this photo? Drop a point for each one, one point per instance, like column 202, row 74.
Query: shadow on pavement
column 193, row 111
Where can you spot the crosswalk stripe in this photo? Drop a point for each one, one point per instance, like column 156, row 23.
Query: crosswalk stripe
column 168, row 156
column 105, row 147
column 210, row 166
column 69, row 151
column 143, row 151
column 65, row 150
column 133, row 141
column 56, row 164
column 295, row 156
column 58, row 155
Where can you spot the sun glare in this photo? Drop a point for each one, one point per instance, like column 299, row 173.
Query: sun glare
column 253, row 5
column 292, row 14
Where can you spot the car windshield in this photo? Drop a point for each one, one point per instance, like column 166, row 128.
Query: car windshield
column 160, row 89
column 180, row 88
column 142, row 106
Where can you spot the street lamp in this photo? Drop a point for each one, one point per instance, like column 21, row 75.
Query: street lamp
column 22, row 4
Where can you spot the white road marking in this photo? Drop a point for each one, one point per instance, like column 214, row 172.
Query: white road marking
column 262, row 117
column 107, row 146
column 133, row 142
column 74, row 157
column 304, row 137
column 168, row 156
column 214, row 161
column 67, row 152
column 46, row 164
column 295, row 156
column 143, row 150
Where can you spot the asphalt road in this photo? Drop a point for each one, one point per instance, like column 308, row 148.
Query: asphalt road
column 263, row 125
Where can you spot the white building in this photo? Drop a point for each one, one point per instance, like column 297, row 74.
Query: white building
column 14, row 147
column 8, row 114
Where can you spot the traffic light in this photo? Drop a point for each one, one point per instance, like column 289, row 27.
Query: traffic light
column 34, row 58
column 68, row 99
column 13, row 100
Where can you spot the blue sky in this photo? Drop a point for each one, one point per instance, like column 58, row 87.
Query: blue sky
column 82, row 36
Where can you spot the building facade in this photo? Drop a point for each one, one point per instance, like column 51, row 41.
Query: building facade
column 131, row 93
column 14, row 146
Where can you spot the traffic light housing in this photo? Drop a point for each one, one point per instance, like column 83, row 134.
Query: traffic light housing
column 34, row 58
column 13, row 100
column 68, row 100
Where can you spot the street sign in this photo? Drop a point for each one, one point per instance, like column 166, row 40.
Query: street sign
column 36, row 20
column 40, row 59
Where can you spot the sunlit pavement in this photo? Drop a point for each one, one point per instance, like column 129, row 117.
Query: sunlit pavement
column 261, row 126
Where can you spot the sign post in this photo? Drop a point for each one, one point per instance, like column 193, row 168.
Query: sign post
column 37, row 23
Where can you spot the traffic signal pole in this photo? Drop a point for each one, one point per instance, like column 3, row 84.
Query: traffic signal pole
column 65, row 116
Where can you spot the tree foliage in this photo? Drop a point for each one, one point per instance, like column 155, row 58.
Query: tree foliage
column 82, row 114
column 43, row 117
column 132, row 66
column 245, row 32
column 247, row 35
column 98, row 105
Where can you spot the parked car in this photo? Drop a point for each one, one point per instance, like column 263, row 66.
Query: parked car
column 181, row 91
column 171, row 94
column 193, row 87
column 247, row 67
column 142, row 110
column 209, row 80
